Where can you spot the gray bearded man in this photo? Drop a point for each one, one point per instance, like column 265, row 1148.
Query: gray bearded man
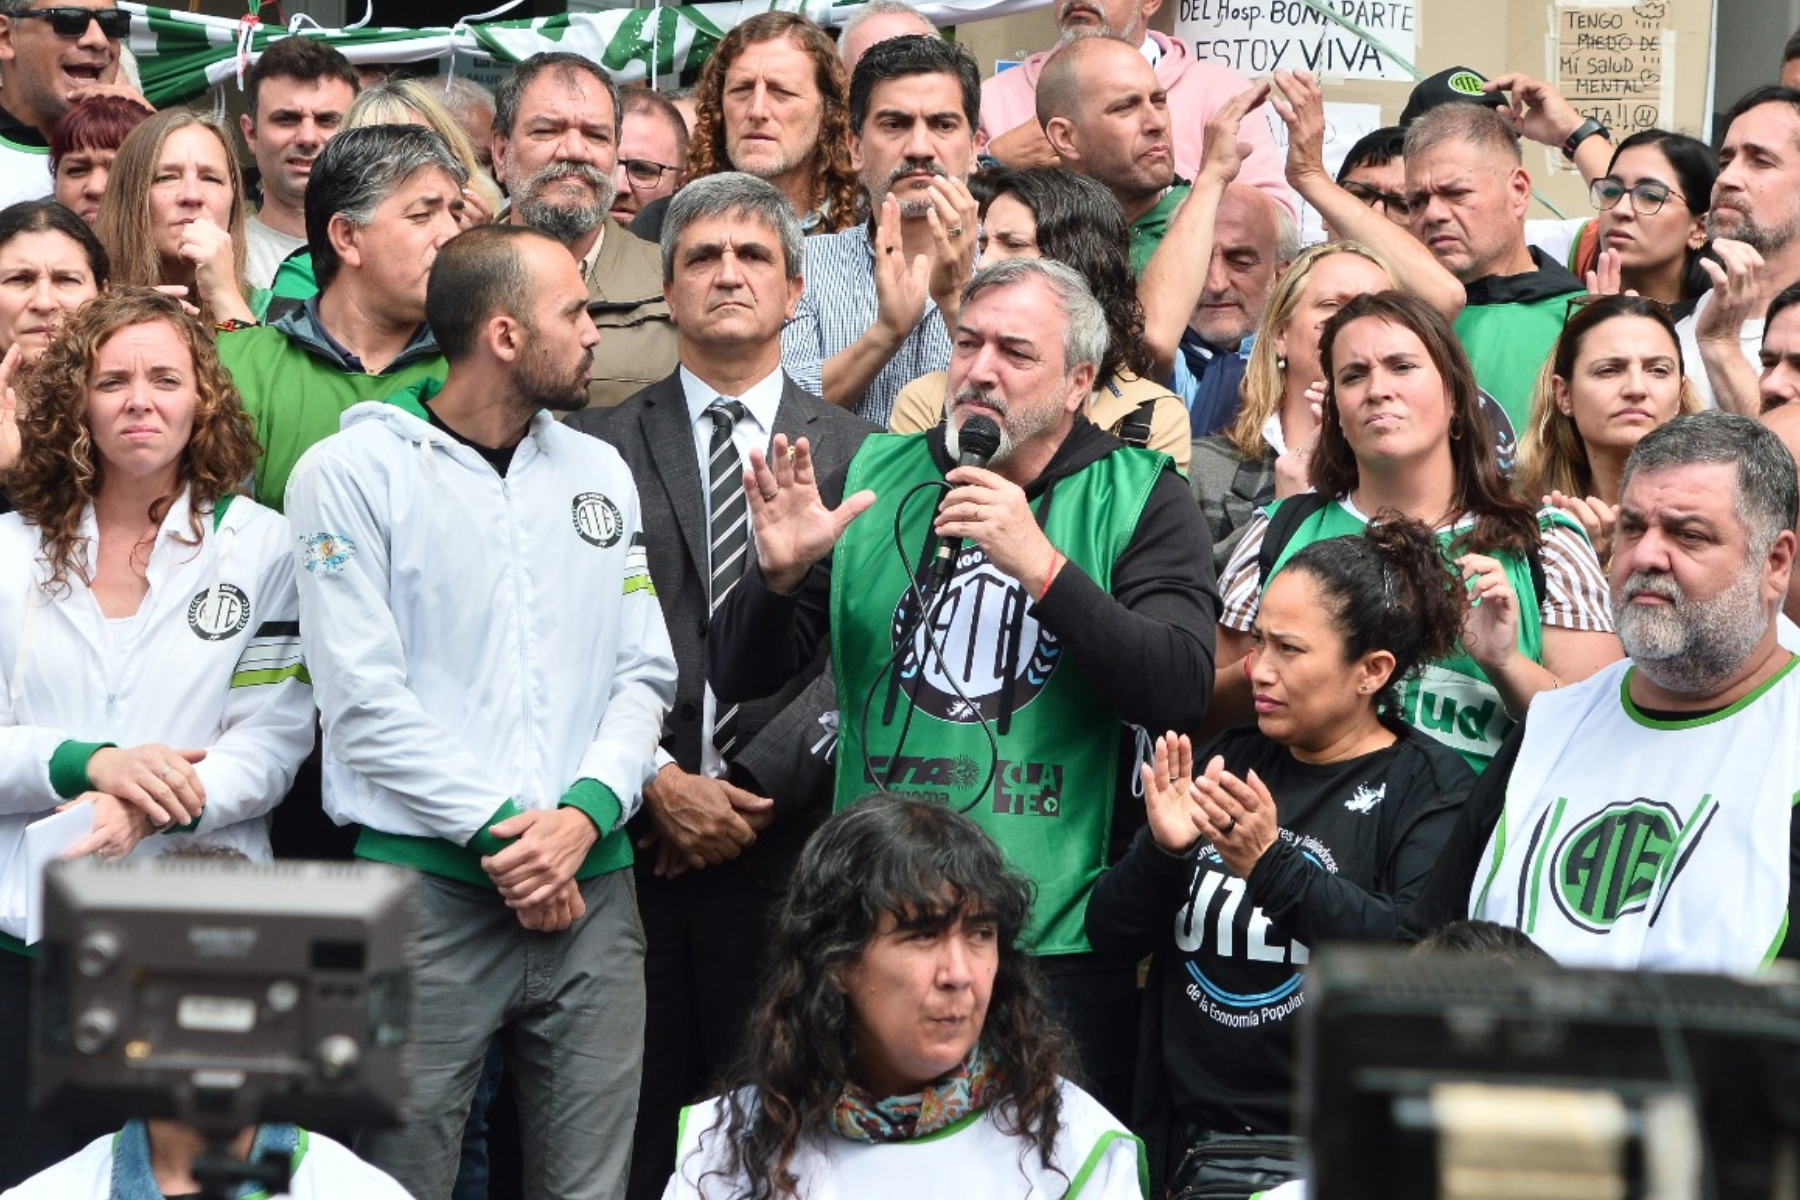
column 1083, row 575
column 1644, row 817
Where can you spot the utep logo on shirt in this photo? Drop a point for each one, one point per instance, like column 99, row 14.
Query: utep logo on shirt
column 1266, row 979
column 973, row 622
column 219, row 612
column 1624, row 859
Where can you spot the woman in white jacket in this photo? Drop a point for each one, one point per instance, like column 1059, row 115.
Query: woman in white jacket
column 149, row 637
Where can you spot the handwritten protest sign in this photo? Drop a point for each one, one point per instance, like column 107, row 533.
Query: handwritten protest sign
column 1259, row 36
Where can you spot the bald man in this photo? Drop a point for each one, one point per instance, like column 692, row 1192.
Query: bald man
column 1107, row 117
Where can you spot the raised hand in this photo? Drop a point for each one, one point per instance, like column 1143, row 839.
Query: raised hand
column 794, row 529
column 1238, row 815
column 1300, row 104
column 1168, row 782
column 1597, row 518
column 1536, row 109
column 901, row 286
column 1736, row 290
column 955, row 220
column 1491, row 628
column 1222, row 155
column 1605, row 279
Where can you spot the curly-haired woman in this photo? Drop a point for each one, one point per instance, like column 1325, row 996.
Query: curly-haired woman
column 149, row 652
column 900, row 1046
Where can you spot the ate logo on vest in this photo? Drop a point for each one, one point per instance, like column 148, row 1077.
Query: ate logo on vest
column 1620, row 861
column 219, row 612
column 597, row 519
column 984, row 624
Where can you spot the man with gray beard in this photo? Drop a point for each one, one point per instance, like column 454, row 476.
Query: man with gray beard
column 1006, row 679
column 556, row 143
column 1645, row 817
column 1755, row 224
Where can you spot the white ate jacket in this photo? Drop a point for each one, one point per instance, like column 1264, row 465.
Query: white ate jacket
column 479, row 645
column 211, row 661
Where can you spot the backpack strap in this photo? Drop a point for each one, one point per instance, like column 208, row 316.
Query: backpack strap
column 1284, row 522
column 1134, row 430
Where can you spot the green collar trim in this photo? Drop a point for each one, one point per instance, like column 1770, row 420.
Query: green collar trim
column 1731, row 710
column 23, row 148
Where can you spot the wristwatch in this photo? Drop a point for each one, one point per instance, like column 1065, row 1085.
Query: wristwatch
column 1583, row 132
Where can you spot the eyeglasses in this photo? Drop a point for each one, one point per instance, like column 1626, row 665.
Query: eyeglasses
column 1394, row 205
column 1647, row 199
column 644, row 173
column 73, row 22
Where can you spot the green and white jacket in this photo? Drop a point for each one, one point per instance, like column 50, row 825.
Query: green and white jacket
column 210, row 660
column 480, row 645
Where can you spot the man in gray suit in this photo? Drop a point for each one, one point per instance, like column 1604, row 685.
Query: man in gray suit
column 734, row 798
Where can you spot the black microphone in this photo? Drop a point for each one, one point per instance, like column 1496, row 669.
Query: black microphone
column 979, row 440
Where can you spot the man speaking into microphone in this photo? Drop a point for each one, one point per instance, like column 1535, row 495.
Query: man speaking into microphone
column 1079, row 603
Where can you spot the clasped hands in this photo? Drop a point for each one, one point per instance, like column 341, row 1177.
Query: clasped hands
column 1236, row 815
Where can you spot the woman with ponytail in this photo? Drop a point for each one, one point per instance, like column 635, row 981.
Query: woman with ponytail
column 1319, row 822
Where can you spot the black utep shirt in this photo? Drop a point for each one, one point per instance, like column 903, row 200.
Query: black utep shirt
column 1358, row 839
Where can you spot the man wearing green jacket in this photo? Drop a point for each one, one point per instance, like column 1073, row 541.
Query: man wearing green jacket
column 1468, row 190
column 380, row 202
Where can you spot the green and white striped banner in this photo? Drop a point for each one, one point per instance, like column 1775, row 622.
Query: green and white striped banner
column 182, row 55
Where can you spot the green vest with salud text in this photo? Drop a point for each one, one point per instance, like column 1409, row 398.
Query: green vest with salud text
column 1050, row 802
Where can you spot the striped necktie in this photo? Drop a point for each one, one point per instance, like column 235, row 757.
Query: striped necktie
column 730, row 532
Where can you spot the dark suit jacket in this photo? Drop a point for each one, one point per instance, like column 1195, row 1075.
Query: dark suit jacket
column 653, row 433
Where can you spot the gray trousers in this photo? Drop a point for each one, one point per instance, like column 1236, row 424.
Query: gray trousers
column 568, row 1010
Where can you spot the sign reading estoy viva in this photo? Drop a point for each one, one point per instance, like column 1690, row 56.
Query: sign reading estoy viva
column 1259, row 36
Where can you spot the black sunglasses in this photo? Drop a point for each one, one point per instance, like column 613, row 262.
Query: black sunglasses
column 73, row 22
column 1392, row 203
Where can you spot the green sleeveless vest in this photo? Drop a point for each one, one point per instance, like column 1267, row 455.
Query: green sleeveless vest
column 1050, row 802
column 1450, row 700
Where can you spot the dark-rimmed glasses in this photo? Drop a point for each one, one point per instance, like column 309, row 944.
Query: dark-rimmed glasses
column 644, row 172
column 1647, row 199
column 1392, row 203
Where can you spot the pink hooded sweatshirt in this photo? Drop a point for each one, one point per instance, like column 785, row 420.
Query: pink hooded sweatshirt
column 1196, row 90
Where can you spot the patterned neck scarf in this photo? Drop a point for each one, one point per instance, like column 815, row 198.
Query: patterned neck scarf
column 965, row 1089
column 134, row 1178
